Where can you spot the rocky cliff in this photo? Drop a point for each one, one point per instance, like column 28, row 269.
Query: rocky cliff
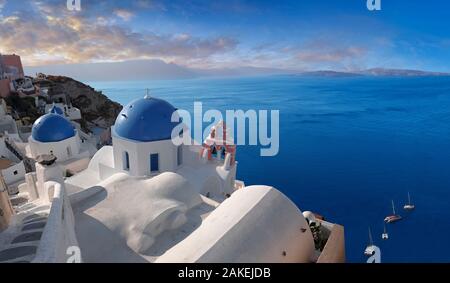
column 96, row 108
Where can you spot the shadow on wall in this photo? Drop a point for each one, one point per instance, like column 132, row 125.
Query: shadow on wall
column 211, row 187
column 167, row 239
column 98, row 243
column 87, row 198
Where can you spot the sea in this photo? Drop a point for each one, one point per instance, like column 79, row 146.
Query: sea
column 348, row 147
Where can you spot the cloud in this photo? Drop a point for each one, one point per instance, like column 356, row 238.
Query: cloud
column 331, row 55
column 150, row 4
column 47, row 37
column 125, row 15
column 329, row 50
column 2, row 5
column 200, row 34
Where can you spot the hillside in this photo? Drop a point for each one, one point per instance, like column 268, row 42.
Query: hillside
column 96, row 108
column 94, row 105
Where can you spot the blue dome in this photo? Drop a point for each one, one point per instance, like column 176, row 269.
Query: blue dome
column 56, row 110
column 146, row 119
column 52, row 128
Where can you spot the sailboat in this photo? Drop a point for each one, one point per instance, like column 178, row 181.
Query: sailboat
column 370, row 249
column 385, row 235
column 394, row 217
column 409, row 206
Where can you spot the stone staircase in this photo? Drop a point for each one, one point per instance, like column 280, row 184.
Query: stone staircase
column 24, row 242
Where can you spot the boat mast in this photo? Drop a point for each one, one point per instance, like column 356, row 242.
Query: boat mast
column 393, row 208
column 370, row 238
column 409, row 199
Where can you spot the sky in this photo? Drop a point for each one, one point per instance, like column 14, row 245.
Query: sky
column 305, row 35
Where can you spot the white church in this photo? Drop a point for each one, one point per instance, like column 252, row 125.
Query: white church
column 54, row 134
column 144, row 199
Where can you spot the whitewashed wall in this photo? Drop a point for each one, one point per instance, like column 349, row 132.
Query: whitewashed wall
column 59, row 148
column 14, row 173
column 256, row 224
column 59, row 232
column 139, row 155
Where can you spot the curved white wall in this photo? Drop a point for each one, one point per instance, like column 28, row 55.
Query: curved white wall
column 256, row 224
column 59, row 232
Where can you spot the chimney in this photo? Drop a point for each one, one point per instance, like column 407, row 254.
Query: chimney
column 47, row 170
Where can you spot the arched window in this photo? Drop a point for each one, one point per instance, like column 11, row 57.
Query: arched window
column 126, row 161
column 154, row 163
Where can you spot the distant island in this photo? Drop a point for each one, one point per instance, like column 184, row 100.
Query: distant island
column 159, row 70
column 401, row 72
column 376, row 72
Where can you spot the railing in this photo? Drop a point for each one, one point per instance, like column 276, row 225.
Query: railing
column 59, row 232
column 27, row 162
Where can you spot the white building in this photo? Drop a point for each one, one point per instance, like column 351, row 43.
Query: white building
column 7, row 123
column 53, row 134
column 142, row 147
column 68, row 111
column 49, row 134
column 146, row 200
column 12, row 166
column 142, row 139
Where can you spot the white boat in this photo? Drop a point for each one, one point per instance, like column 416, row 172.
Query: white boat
column 370, row 249
column 385, row 234
column 394, row 217
column 409, row 206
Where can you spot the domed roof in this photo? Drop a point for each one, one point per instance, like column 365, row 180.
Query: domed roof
column 52, row 128
column 56, row 110
column 146, row 119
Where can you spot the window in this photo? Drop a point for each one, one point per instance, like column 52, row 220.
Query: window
column 69, row 151
column 126, row 161
column 154, row 162
column 179, row 155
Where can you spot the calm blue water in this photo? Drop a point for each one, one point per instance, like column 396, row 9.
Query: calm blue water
column 347, row 147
